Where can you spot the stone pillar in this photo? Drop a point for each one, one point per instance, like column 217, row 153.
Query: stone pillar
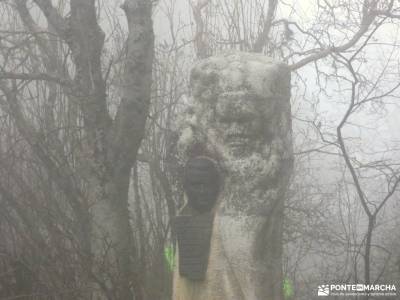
column 241, row 121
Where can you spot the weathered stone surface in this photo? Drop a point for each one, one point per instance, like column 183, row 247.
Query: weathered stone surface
column 241, row 118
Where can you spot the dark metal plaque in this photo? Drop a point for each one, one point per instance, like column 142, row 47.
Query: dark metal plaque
column 194, row 235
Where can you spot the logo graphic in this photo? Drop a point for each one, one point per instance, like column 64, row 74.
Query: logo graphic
column 355, row 289
column 360, row 288
column 323, row 290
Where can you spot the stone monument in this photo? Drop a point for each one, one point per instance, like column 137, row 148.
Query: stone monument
column 239, row 125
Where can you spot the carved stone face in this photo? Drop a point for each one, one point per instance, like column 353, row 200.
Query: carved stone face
column 239, row 122
column 240, row 117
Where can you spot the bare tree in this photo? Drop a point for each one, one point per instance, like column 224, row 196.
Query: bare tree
column 98, row 195
column 76, row 88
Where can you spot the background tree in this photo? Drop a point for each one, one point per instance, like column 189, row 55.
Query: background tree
column 51, row 61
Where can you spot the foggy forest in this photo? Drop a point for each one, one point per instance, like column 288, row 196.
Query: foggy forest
column 94, row 99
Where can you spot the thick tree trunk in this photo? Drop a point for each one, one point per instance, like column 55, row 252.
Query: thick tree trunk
column 111, row 213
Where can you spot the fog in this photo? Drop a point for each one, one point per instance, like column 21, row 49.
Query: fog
column 95, row 97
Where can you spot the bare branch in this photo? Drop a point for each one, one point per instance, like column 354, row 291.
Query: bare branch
column 263, row 36
column 390, row 193
column 368, row 17
column 53, row 17
column 34, row 77
column 63, row 175
column 345, row 154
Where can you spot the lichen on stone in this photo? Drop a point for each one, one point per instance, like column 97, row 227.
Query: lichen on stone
column 241, row 119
